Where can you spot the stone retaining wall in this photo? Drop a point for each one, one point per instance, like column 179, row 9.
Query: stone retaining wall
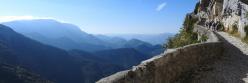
column 170, row 66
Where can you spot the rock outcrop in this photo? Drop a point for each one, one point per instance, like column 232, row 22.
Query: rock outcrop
column 228, row 13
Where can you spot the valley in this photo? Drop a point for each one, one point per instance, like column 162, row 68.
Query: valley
column 62, row 53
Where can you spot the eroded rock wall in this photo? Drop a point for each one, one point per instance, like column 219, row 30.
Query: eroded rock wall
column 229, row 13
column 235, row 13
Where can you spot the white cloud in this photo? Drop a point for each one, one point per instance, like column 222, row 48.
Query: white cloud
column 13, row 18
column 161, row 6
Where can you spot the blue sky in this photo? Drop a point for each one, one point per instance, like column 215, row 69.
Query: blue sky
column 105, row 16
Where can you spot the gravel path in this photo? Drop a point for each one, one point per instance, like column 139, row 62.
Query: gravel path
column 235, row 41
column 232, row 67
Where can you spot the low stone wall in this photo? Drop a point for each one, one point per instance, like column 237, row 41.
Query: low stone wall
column 171, row 66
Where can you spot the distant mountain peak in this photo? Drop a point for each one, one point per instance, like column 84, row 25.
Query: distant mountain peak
column 51, row 32
column 3, row 27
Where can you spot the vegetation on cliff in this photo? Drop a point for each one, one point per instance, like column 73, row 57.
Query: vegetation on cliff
column 196, row 8
column 234, row 30
column 186, row 35
column 220, row 27
column 244, row 1
column 246, row 31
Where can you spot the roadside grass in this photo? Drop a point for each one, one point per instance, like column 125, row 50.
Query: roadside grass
column 234, row 32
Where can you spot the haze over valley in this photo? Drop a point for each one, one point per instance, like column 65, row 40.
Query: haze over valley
column 83, row 41
column 54, row 41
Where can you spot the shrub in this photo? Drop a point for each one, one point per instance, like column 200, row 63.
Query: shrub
column 185, row 36
column 246, row 31
column 182, row 39
column 203, row 38
column 220, row 27
column 189, row 22
column 234, row 29
column 196, row 8
column 204, row 5
column 246, row 15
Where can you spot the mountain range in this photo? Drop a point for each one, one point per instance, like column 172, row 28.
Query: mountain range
column 58, row 52
column 54, row 33
column 68, row 36
column 154, row 39
column 55, row 64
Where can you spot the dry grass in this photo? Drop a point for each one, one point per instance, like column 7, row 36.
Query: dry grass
column 246, row 37
column 234, row 31
column 245, row 40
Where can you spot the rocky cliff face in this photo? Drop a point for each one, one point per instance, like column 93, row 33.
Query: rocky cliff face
column 228, row 13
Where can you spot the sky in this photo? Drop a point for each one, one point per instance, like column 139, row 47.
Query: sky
column 104, row 16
